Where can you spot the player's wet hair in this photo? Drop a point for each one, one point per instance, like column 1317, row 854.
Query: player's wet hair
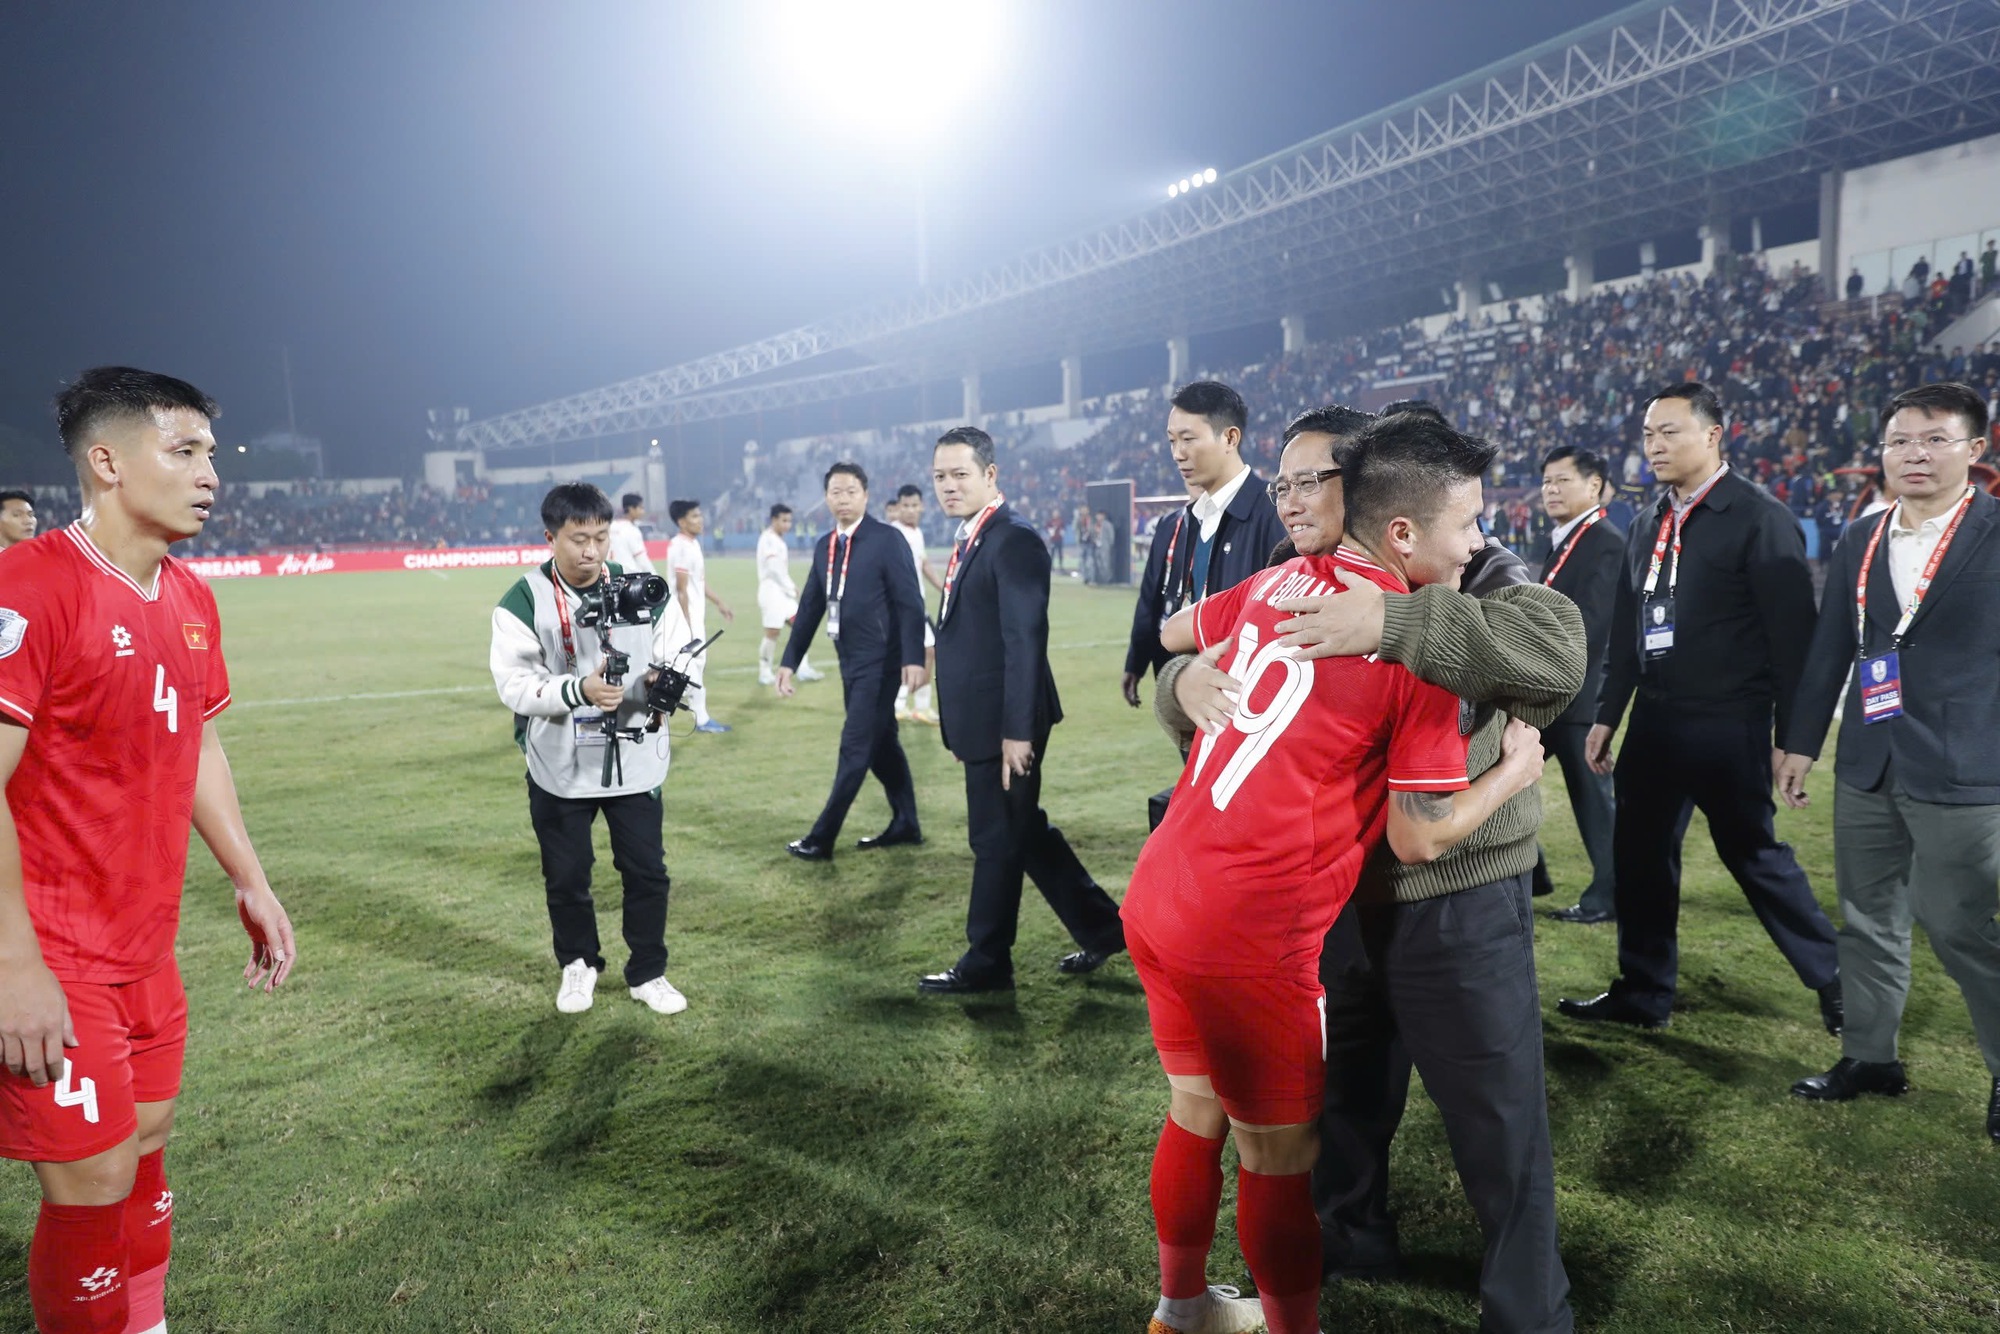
column 851, row 469
column 1423, row 407
column 977, row 440
column 680, row 509
column 908, row 489
column 574, row 502
column 631, row 500
column 1701, row 401
column 1404, row 466
column 780, row 509
column 1947, row 399
column 1586, row 463
column 105, row 393
column 1221, row 405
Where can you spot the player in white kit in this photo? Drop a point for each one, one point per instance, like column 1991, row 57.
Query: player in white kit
column 906, row 513
column 777, row 597
column 687, row 570
column 628, row 542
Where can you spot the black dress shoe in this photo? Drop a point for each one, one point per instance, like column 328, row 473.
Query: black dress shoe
column 808, row 851
column 951, row 982
column 1832, row 1008
column 1586, row 916
column 888, row 838
column 1361, row 1255
column 1993, row 1113
column 1850, row 1078
column 1609, row 1007
column 1084, row 961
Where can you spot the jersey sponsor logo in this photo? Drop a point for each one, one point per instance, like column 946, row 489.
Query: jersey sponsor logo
column 98, row 1282
column 196, row 634
column 121, row 639
column 13, row 628
column 1467, row 715
column 163, row 1206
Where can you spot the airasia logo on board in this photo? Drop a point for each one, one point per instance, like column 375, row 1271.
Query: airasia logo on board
column 312, row 564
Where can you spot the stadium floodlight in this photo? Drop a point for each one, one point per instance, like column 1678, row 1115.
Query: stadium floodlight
column 1173, row 190
column 898, row 70
column 1208, row 176
column 1185, row 187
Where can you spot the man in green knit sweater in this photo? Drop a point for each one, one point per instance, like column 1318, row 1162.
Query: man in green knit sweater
column 1436, row 962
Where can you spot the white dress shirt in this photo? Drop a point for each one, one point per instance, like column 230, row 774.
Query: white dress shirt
column 1209, row 506
column 1910, row 550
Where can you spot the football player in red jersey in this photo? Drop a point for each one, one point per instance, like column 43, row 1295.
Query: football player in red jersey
column 1263, row 843
column 111, row 675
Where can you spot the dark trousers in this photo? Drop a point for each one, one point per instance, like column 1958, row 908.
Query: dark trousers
column 1672, row 763
column 1591, row 802
column 1011, row 837
column 868, row 744
column 562, row 826
column 1448, row 983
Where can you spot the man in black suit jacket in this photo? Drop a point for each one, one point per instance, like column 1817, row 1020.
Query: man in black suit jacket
column 863, row 583
column 1220, row 539
column 997, row 702
column 1916, row 801
column 1582, row 562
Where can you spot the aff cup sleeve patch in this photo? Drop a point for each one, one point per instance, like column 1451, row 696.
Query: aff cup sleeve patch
column 13, row 629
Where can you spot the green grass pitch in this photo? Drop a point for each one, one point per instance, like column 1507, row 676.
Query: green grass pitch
column 410, row 1138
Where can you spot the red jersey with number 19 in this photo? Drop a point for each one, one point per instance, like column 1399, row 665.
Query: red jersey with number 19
column 113, row 683
column 1271, row 821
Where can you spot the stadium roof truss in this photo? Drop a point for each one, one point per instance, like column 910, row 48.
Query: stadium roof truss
column 1649, row 121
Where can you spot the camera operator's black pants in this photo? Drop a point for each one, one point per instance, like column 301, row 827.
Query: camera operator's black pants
column 562, row 826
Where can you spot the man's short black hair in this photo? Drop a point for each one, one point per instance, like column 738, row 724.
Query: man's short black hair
column 1403, row 466
column 1339, row 422
column 1221, row 405
column 1423, row 407
column 908, row 489
column 574, row 502
column 6, row 496
column 780, row 509
column 631, row 500
column 1701, row 401
column 680, row 509
column 1948, row 398
column 106, row 392
column 1586, row 463
column 851, row 469
column 977, row 440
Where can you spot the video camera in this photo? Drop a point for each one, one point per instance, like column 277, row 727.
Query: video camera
column 621, row 599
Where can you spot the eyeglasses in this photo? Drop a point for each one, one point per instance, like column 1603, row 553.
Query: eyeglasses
column 1903, row 444
column 1306, row 486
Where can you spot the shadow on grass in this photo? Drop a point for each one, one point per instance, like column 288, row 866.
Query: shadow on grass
column 14, row 1310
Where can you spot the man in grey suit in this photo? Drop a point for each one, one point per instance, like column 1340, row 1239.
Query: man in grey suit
column 1910, row 628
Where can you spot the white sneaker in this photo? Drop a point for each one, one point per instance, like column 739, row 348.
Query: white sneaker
column 766, row 677
column 904, row 716
column 1227, row 1312
column 660, row 997
column 579, row 981
column 810, row 674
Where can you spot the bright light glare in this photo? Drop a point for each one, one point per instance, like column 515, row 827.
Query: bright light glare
column 1185, row 185
column 1209, row 176
column 1173, row 190
column 899, row 70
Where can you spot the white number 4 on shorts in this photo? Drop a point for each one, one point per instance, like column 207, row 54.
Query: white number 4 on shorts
column 84, row 1095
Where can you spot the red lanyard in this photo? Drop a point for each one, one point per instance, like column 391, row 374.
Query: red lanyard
column 1923, row 584
column 562, row 619
column 1575, row 538
column 1173, row 545
column 846, row 559
column 964, row 545
column 1676, row 519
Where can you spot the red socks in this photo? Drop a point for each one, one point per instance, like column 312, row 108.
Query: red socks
column 149, row 1239
column 1187, row 1190
column 1279, row 1233
column 76, row 1269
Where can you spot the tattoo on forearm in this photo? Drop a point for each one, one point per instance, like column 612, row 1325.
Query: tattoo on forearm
column 1428, row 807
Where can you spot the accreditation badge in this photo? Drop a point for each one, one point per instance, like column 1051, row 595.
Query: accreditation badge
column 1881, row 688
column 1656, row 627
column 833, row 618
column 587, row 727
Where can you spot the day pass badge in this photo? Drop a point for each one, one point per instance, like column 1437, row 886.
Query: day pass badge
column 1881, row 688
column 1656, row 617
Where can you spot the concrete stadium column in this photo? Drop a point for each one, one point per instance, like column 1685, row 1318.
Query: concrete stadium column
column 1715, row 235
column 1471, row 293
column 971, row 413
column 1072, row 369
column 1582, row 266
column 1179, row 360
column 1829, row 233
column 1295, row 332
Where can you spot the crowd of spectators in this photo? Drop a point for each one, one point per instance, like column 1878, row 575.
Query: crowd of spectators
column 1801, row 378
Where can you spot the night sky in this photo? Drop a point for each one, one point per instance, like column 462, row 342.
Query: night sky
column 495, row 202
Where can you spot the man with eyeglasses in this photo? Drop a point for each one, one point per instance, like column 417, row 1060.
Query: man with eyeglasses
column 1709, row 632
column 1910, row 631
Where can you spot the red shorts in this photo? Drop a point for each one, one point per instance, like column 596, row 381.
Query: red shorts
column 1260, row 1040
column 131, row 1037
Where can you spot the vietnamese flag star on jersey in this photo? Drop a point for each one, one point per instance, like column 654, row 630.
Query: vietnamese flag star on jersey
column 197, row 634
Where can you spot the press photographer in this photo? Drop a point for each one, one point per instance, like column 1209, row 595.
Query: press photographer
column 578, row 646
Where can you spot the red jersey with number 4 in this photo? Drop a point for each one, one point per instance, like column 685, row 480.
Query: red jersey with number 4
column 113, row 683
column 1269, row 826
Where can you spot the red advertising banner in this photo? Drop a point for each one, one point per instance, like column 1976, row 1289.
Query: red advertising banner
column 272, row 563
